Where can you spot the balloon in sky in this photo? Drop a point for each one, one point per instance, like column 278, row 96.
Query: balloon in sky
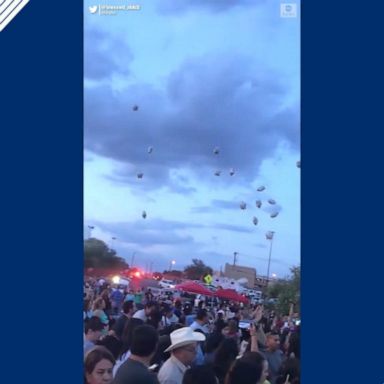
column 135, row 107
column 243, row 205
column 231, row 171
column 261, row 189
column 269, row 235
column 274, row 214
column 255, row 220
column 258, row 203
column 140, row 175
column 217, row 173
column 150, row 149
column 216, row 151
column 144, row 214
column 298, row 164
column 271, row 201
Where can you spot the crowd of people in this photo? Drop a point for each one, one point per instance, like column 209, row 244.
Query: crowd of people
column 138, row 338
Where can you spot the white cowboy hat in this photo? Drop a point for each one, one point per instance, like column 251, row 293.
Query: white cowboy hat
column 184, row 336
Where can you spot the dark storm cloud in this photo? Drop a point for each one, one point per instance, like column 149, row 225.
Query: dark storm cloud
column 104, row 55
column 172, row 6
column 224, row 101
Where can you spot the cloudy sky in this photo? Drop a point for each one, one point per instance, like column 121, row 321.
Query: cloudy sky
column 204, row 74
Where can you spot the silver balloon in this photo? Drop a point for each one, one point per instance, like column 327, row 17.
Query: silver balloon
column 261, row 189
column 258, row 203
column 243, row 205
column 144, row 214
column 255, row 220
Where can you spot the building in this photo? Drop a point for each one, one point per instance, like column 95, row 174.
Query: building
column 238, row 272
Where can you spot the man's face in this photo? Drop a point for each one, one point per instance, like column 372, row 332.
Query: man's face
column 273, row 342
column 189, row 354
column 94, row 335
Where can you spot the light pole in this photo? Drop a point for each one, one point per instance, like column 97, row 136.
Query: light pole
column 132, row 259
column 269, row 236
column 235, row 257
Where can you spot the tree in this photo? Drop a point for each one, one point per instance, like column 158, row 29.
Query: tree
column 287, row 292
column 197, row 270
column 99, row 256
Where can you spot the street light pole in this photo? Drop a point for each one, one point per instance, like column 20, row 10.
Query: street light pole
column 132, row 259
column 235, row 257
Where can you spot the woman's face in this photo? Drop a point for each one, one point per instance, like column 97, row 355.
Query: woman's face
column 264, row 373
column 102, row 373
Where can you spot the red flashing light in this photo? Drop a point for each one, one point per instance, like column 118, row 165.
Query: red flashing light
column 137, row 274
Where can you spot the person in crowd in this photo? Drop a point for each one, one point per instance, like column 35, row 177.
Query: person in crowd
column 223, row 358
column 105, row 295
column 183, row 350
column 169, row 317
column 117, row 298
column 135, row 369
column 128, row 310
column 112, row 343
column 252, row 368
column 200, row 375
column 289, row 372
column 126, row 339
column 211, row 344
column 92, row 332
column 274, row 356
column 98, row 310
column 144, row 314
column 201, row 321
column 98, row 364
column 87, row 311
column 130, row 296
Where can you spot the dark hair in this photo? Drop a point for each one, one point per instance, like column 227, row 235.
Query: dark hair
column 199, row 374
column 213, row 341
column 112, row 344
column 127, row 306
column 93, row 357
column 247, row 370
column 127, row 335
column 290, row 367
column 144, row 341
column 224, row 356
column 201, row 314
column 93, row 324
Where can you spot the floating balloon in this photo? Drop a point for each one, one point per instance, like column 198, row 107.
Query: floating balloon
column 144, row 214
column 217, row 173
column 150, row 149
column 216, row 151
column 258, row 203
column 140, row 175
column 135, row 107
column 274, row 214
column 271, row 201
column 298, row 164
column 231, row 171
column 269, row 235
column 243, row 205
column 261, row 189
column 255, row 220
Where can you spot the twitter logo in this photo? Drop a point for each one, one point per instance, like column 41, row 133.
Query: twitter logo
column 93, row 9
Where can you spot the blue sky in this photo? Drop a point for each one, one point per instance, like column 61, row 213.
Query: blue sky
column 204, row 74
